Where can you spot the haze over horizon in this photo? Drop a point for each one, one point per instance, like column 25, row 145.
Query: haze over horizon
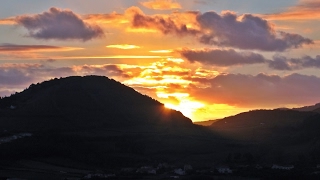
column 207, row 59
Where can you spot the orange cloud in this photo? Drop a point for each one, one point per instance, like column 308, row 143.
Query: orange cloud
column 7, row 21
column 112, row 18
column 123, row 46
column 161, row 4
column 162, row 51
column 304, row 10
column 37, row 48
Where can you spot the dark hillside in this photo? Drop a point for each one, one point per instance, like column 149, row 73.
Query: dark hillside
column 263, row 126
column 87, row 101
column 97, row 121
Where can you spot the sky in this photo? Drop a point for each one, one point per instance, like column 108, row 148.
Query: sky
column 206, row 58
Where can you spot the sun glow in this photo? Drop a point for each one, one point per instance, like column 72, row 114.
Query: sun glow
column 123, row 46
column 186, row 107
column 162, row 51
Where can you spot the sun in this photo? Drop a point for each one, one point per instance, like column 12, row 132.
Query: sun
column 186, row 107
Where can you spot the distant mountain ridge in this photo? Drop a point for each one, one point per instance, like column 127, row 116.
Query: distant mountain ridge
column 315, row 107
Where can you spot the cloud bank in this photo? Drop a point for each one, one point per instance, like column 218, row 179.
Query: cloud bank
column 230, row 57
column 161, row 4
column 304, row 10
column 59, row 24
column 218, row 57
column 227, row 30
column 259, row 91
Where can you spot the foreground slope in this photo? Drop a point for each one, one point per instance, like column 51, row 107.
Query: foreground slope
column 85, row 102
column 96, row 120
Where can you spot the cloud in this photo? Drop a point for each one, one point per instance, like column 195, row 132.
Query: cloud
column 16, row 47
column 59, row 24
column 245, row 32
column 16, row 76
column 219, row 57
column 161, row 4
column 123, row 46
column 7, row 21
column 259, row 91
column 283, row 63
column 165, row 25
column 111, row 70
column 226, row 30
column 162, row 51
column 112, row 18
column 304, row 10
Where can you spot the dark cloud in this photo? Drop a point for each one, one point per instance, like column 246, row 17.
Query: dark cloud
column 246, row 32
column 283, row 63
column 15, row 47
column 51, row 60
column 19, row 76
column 14, row 77
column 226, row 30
column 165, row 25
column 260, row 90
column 59, row 25
column 108, row 69
column 219, row 57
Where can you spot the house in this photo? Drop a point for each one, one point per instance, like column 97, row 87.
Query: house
column 289, row 167
column 224, row 170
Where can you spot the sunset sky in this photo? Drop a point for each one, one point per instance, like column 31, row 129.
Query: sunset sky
column 206, row 58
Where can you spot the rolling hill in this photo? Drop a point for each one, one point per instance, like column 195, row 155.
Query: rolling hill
column 95, row 122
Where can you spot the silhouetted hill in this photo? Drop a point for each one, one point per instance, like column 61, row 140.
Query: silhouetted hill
column 97, row 121
column 86, row 102
column 308, row 108
column 263, row 125
column 205, row 123
column 317, row 110
column 94, row 122
column 281, row 135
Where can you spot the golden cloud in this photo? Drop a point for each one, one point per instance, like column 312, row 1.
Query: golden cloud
column 7, row 21
column 161, row 4
column 304, row 10
column 123, row 46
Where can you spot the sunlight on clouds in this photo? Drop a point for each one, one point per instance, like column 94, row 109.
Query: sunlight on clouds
column 141, row 30
column 161, row 4
column 186, row 107
column 175, row 60
column 162, row 51
column 215, row 111
column 123, row 46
